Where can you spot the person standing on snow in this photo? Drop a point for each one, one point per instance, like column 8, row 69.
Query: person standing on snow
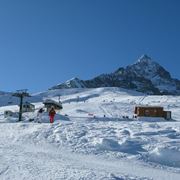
column 39, row 115
column 52, row 113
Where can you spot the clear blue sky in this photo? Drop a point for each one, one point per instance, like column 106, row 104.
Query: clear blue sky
column 45, row 42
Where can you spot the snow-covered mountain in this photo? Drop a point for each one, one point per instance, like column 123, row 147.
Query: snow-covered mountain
column 72, row 83
column 3, row 93
column 145, row 75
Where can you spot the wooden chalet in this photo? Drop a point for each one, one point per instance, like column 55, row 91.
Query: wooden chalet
column 28, row 107
column 152, row 111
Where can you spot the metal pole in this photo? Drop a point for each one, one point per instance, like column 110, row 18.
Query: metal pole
column 21, row 94
column 20, row 107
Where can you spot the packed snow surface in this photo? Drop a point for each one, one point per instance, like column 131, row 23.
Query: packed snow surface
column 93, row 137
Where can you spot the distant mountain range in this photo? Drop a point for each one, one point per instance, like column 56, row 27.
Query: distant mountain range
column 145, row 75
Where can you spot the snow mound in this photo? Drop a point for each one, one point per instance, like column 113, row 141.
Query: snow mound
column 45, row 118
column 109, row 144
column 168, row 156
column 129, row 146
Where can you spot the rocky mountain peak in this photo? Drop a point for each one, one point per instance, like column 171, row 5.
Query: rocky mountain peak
column 72, row 83
column 145, row 75
column 146, row 67
column 144, row 58
column 146, row 62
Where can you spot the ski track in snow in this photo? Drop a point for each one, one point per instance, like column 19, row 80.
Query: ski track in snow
column 81, row 146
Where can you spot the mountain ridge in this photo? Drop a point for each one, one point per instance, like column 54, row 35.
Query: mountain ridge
column 145, row 75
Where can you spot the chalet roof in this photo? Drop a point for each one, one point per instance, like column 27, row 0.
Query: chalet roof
column 52, row 102
column 147, row 106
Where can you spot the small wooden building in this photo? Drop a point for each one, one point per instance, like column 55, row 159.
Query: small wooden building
column 28, row 107
column 152, row 111
column 49, row 103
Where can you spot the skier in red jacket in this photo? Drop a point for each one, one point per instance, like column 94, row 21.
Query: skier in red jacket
column 52, row 113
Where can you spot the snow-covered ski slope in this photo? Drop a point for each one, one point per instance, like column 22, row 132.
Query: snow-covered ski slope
column 91, row 140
